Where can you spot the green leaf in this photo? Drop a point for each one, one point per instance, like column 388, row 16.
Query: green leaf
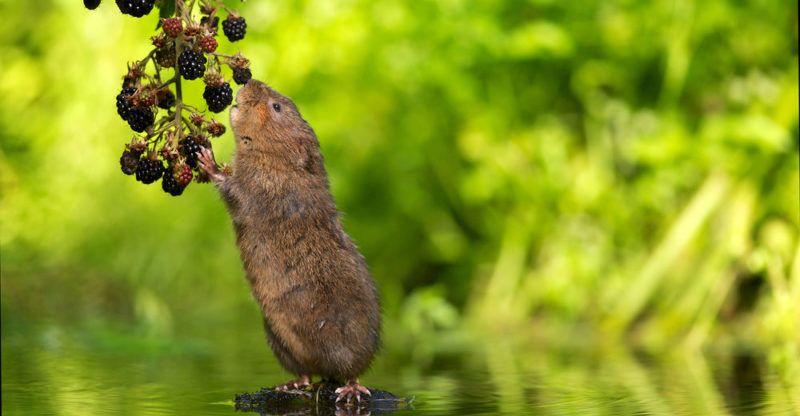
column 167, row 8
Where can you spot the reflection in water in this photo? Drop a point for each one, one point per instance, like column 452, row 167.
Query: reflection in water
column 744, row 389
column 497, row 378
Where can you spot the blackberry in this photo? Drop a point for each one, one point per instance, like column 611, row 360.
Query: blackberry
column 140, row 118
column 182, row 174
column 218, row 97
column 242, row 75
column 170, row 185
column 208, row 44
column 128, row 82
column 167, row 100
column 189, row 149
column 91, row 4
column 145, row 100
column 135, row 8
column 123, row 105
column 213, row 25
column 173, row 27
column 234, row 28
column 192, row 64
column 149, row 170
column 165, row 56
column 129, row 161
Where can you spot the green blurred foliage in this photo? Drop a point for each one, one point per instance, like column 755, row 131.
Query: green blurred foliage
column 625, row 166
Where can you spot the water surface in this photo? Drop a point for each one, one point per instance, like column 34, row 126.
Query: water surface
column 200, row 377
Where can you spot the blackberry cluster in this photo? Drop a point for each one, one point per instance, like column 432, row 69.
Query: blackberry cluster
column 234, row 28
column 192, row 64
column 149, row 170
column 135, row 8
column 172, row 131
column 189, row 149
column 218, row 97
column 170, row 185
column 242, row 75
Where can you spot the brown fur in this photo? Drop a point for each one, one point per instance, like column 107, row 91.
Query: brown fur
column 320, row 306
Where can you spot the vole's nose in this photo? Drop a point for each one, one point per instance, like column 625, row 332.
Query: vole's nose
column 248, row 86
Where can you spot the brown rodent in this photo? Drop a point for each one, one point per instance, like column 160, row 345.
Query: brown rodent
column 321, row 311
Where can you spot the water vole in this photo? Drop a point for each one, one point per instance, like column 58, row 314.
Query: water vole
column 320, row 306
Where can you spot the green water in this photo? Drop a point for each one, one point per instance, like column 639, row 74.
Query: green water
column 61, row 373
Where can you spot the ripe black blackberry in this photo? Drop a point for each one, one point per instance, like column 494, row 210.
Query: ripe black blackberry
column 218, row 97
column 166, row 100
column 211, row 26
column 189, row 149
column 128, row 82
column 170, row 185
column 129, row 161
column 123, row 105
column 135, row 8
column 242, row 75
column 149, row 170
column 140, row 118
column 234, row 28
column 192, row 64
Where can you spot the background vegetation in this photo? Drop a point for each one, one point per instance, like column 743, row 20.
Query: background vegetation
column 617, row 170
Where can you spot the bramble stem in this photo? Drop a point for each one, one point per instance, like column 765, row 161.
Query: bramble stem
column 178, row 91
column 169, row 81
column 215, row 54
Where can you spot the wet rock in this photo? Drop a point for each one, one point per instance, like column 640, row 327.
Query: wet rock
column 318, row 399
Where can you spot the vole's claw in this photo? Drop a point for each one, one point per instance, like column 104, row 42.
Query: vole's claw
column 303, row 381
column 206, row 162
column 205, row 157
column 351, row 390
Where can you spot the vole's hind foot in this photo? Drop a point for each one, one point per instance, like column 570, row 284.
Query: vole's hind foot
column 303, row 381
column 207, row 164
column 350, row 391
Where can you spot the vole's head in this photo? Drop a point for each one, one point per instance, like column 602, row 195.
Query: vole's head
column 264, row 117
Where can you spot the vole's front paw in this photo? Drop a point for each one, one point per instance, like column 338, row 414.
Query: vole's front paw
column 206, row 163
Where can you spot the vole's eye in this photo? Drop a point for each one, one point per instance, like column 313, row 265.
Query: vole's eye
column 277, row 107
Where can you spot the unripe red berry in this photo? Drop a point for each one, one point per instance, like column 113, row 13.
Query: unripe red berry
column 208, row 44
column 173, row 27
column 182, row 174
